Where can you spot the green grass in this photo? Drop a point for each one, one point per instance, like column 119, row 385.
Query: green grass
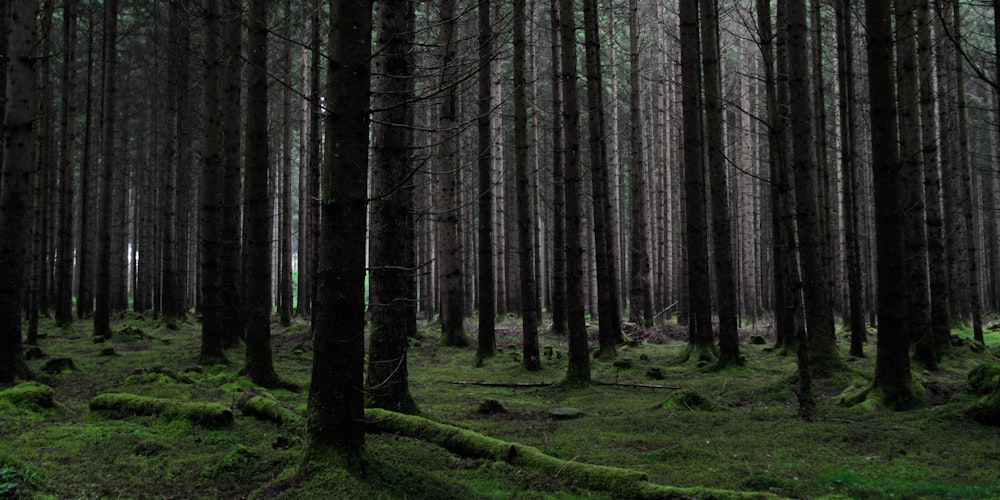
column 752, row 442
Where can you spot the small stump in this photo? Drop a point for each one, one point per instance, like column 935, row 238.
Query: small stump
column 56, row 366
column 655, row 374
column 757, row 340
column 490, row 407
column 565, row 413
column 33, row 352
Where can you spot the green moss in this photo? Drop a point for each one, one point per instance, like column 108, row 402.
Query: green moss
column 690, row 400
column 983, row 379
column 987, row 410
column 211, row 415
column 33, row 397
column 267, row 408
column 235, row 463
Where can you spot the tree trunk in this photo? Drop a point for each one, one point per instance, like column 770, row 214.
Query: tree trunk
column 15, row 186
column 336, row 427
column 392, row 202
column 559, row 298
column 485, row 292
column 578, row 369
column 285, row 284
column 64, row 273
column 641, row 292
column 610, row 333
column 525, row 205
column 85, row 295
column 211, row 191
column 450, row 253
column 700, row 322
column 231, row 319
column 729, row 340
column 102, row 316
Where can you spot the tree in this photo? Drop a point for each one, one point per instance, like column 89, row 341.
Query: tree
column 388, row 382
column 700, row 322
column 257, row 301
column 525, row 205
column 15, row 186
column 64, row 272
column 892, row 362
column 102, row 315
column 729, row 340
column 641, row 290
column 559, row 312
column 450, row 246
column 578, row 369
column 211, row 190
column 172, row 301
column 486, row 282
column 335, row 426
column 285, row 284
column 230, row 317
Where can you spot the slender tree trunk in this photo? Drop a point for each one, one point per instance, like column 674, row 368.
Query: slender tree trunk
column 285, row 284
column 102, row 316
column 452, row 296
column 315, row 154
column 64, row 273
column 336, row 427
column 607, row 289
column 849, row 167
column 892, row 363
column 85, row 296
column 231, row 320
column 392, row 202
column 15, row 186
column 729, row 340
column 578, row 369
column 911, row 178
column 559, row 298
column 700, row 322
column 525, row 205
column 641, row 291
column 485, row 292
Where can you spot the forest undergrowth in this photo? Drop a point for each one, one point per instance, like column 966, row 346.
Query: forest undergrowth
column 729, row 432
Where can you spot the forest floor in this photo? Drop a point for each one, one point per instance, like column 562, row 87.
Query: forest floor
column 741, row 435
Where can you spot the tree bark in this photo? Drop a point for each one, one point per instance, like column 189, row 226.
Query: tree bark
column 15, row 186
column 392, row 202
column 485, row 291
column 233, row 272
column 559, row 312
column 641, row 291
column 335, row 426
column 64, row 273
column 102, row 316
column 285, row 285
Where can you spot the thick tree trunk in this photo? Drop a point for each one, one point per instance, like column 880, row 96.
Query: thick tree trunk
column 559, row 312
column 336, row 427
column 640, row 291
column 392, row 202
column 485, row 291
column 892, row 364
column 231, row 318
column 15, row 193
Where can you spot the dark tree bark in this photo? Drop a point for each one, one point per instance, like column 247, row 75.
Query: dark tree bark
column 230, row 317
column 700, row 319
column 725, row 284
column 912, row 185
column 640, row 279
column 849, row 167
column 102, row 316
column 525, row 201
column 336, row 427
column 450, row 245
column 15, row 186
column 559, row 313
column 486, row 291
column 392, row 202
column 257, row 309
column 938, row 264
column 64, row 271
column 609, row 314
column 578, row 369
column 211, row 190
column 892, row 362
column 172, row 305
column 315, row 156
column 85, row 280
column 285, row 258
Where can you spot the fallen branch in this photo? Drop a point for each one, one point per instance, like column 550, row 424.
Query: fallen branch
column 643, row 386
column 211, row 415
column 503, row 384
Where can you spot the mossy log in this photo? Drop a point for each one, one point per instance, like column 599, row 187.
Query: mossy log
column 622, row 482
column 265, row 408
column 210, row 415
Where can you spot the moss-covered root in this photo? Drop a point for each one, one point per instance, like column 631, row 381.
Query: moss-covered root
column 623, row 482
column 265, row 408
column 210, row 415
column 32, row 396
column 875, row 398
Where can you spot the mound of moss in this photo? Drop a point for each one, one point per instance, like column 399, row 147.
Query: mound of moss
column 691, row 400
column 210, row 415
column 983, row 379
column 32, row 396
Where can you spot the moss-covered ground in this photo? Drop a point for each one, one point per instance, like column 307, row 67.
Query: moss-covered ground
column 732, row 431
